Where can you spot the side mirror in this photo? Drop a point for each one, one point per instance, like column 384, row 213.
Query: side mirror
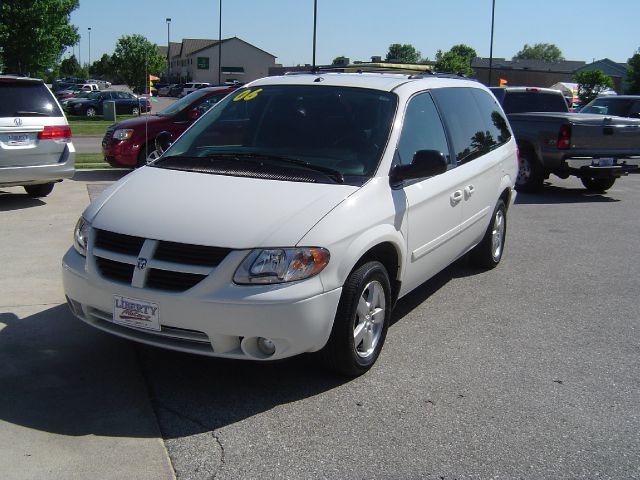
column 163, row 141
column 193, row 114
column 426, row 163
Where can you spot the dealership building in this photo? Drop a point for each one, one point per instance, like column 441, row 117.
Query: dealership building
column 197, row 60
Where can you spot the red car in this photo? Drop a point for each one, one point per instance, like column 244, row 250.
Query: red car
column 131, row 143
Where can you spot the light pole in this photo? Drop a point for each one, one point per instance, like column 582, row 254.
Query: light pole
column 315, row 17
column 493, row 11
column 168, row 51
column 89, row 67
column 220, row 46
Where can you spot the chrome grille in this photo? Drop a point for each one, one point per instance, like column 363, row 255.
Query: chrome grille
column 148, row 263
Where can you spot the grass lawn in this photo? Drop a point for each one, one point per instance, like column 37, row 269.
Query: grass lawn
column 91, row 125
column 90, row 161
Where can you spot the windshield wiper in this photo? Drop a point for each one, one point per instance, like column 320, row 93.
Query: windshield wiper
column 330, row 172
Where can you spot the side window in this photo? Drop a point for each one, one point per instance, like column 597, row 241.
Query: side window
column 422, row 129
column 634, row 111
column 495, row 123
column 466, row 125
column 208, row 103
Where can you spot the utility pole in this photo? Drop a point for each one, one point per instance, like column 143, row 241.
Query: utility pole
column 220, row 46
column 89, row 67
column 168, row 51
column 493, row 11
column 315, row 17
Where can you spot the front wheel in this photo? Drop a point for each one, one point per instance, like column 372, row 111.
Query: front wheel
column 135, row 111
column 597, row 184
column 91, row 112
column 361, row 323
column 37, row 191
column 148, row 153
column 488, row 253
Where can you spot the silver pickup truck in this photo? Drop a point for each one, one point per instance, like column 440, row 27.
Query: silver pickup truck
column 596, row 148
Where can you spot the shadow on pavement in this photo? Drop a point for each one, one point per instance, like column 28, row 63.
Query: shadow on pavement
column 100, row 175
column 17, row 201
column 552, row 194
column 58, row 375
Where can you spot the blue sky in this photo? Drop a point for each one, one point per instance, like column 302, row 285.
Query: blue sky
column 583, row 29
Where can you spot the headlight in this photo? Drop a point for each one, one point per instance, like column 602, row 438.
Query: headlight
column 280, row 265
column 123, row 134
column 81, row 236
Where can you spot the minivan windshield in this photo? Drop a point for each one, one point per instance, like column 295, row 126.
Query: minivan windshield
column 329, row 132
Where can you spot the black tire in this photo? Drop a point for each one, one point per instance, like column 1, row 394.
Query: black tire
column 488, row 253
column 341, row 353
column 530, row 173
column 37, row 191
column 597, row 184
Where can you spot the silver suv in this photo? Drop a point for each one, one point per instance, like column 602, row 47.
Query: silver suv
column 35, row 138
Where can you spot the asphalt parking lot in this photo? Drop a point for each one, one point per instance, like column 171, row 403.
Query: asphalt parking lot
column 526, row 371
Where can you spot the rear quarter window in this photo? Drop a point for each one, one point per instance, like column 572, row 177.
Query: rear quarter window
column 473, row 119
column 27, row 99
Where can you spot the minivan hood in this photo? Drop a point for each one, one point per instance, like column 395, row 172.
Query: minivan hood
column 213, row 210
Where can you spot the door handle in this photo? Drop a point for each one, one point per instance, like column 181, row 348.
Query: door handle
column 468, row 191
column 456, row 197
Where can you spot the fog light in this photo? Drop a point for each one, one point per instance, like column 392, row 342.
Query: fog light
column 266, row 346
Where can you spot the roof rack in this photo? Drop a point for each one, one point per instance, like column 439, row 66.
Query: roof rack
column 413, row 71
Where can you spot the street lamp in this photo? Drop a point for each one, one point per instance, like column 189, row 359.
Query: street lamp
column 168, row 50
column 493, row 11
column 315, row 16
column 89, row 67
column 220, row 46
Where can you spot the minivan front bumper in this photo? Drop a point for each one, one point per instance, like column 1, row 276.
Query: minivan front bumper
column 297, row 318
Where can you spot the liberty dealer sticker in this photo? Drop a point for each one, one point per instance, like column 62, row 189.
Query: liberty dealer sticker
column 131, row 312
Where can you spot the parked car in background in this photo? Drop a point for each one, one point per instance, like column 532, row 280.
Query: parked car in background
column 596, row 149
column 166, row 89
column 93, row 104
column 131, row 143
column 176, row 90
column 621, row 106
column 35, row 138
column 192, row 87
column 101, row 83
column 293, row 214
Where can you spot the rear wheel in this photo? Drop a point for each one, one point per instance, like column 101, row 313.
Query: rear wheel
column 530, row 174
column 135, row 111
column 488, row 253
column 361, row 323
column 91, row 112
column 37, row 191
column 597, row 184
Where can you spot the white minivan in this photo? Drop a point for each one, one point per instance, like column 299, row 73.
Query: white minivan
column 293, row 215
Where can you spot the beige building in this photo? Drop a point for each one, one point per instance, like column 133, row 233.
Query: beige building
column 197, row 60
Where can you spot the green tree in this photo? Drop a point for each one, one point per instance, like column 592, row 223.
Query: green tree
column 633, row 75
column 403, row 53
column 591, row 83
column 135, row 58
column 69, row 67
column 457, row 60
column 540, row 51
column 103, row 68
column 341, row 60
column 34, row 34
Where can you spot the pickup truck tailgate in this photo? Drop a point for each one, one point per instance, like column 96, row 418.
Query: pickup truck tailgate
column 599, row 132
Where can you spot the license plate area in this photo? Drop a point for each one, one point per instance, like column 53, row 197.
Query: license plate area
column 18, row 139
column 604, row 162
column 135, row 313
